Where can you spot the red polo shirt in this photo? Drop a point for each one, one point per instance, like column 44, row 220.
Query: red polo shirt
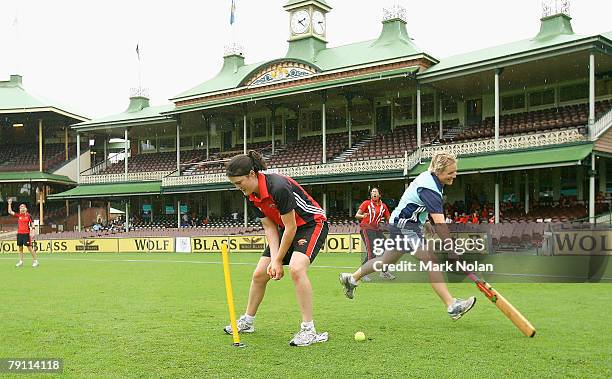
column 23, row 222
column 279, row 195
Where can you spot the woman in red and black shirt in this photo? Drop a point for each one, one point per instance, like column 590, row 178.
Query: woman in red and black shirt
column 295, row 227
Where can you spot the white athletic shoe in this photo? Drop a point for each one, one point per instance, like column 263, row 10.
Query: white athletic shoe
column 461, row 307
column 19, row 264
column 307, row 336
column 387, row 275
column 35, row 264
column 243, row 326
column 348, row 283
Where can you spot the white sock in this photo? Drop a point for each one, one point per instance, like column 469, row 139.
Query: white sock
column 308, row 324
column 352, row 280
column 249, row 318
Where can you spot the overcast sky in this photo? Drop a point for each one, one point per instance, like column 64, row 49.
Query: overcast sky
column 83, row 53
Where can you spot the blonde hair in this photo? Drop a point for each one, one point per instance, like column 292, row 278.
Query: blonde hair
column 441, row 161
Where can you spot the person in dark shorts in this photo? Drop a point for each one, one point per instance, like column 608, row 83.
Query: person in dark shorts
column 295, row 227
column 370, row 214
column 24, row 230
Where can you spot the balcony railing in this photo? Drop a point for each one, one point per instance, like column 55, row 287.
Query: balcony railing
column 131, row 177
column 600, row 126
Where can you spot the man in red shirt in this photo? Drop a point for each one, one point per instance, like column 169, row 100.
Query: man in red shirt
column 371, row 213
column 24, row 230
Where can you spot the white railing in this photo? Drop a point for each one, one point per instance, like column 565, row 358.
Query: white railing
column 600, row 126
column 299, row 171
column 507, row 143
column 131, row 177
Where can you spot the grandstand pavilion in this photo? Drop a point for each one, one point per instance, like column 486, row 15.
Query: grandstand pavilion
column 37, row 152
column 530, row 121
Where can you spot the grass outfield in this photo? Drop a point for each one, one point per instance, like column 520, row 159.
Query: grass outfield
column 161, row 315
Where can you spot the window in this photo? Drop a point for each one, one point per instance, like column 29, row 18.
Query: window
column 335, row 118
column 511, row 102
column 449, row 106
column 186, row 142
column 314, row 121
column 574, row 92
column 403, row 108
column 278, row 126
column 427, row 105
column 544, row 97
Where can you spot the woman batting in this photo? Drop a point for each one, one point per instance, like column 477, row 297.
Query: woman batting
column 421, row 200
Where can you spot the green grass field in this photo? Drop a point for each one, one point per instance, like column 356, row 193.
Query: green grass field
column 160, row 315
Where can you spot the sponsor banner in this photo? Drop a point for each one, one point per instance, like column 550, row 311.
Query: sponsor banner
column 342, row 243
column 146, row 245
column 97, row 245
column 43, row 246
column 587, row 242
column 183, row 244
column 236, row 244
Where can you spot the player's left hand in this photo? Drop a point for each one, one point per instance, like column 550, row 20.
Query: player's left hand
column 275, row 270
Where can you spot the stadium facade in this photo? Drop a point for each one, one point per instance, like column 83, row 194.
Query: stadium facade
column 529, row 120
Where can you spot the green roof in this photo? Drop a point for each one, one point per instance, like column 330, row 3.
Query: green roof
column 15, row 99
column 555, row 30
column 33, row 176
column 517, row 160
column 138, row 112
column 109, row 190
column 393, row 43
column 314, row 86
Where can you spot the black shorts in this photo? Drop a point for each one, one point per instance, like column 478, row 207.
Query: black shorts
column 23, row 239
column 308, row 240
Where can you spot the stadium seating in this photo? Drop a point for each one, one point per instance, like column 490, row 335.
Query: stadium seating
column 25, row 157
column 536, row 121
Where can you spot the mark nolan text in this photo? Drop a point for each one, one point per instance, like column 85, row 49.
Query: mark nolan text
column 458, row 266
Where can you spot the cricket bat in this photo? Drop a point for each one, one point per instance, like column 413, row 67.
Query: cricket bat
column 504, row 306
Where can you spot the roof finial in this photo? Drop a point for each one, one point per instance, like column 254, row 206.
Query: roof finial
column 139, row 92
column 233, row 48
column 394, row 12
column 554, row 7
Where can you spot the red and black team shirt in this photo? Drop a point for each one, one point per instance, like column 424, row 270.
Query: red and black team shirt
column 374, row 212
column 279, row 195
column 23, row 222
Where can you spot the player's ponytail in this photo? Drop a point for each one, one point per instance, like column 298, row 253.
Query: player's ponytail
column 242, row 164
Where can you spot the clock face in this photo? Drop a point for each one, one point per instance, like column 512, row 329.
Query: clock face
column 318, row 22
column 300, row 22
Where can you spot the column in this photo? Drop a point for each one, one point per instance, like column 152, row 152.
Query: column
column 497, row 199
column 178, row 146
column 592, row 190
column 324, row 126
column 207, row 121
column 273, row 126
column 66, row 142
column 497, row 73
column 244, row 130
column 178, row 214
column 324, row 200
column 105, row 149
column 79, row 215
column 349, row 117
column 591, row 89
column 78, row 162
column 40, row 146
column 556, row 182
column 126, row 225
column 41, row 203
column 440, row 116
column 418, row 112
column 125, row 153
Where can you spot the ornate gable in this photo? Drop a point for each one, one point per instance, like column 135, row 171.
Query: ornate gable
column 279, row 72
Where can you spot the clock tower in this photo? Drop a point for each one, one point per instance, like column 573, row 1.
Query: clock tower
column 307, row 28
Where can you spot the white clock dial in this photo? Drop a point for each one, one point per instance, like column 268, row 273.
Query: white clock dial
column 300, row 22
column 318, row 22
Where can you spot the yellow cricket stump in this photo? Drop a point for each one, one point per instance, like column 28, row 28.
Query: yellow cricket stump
column 230, row 296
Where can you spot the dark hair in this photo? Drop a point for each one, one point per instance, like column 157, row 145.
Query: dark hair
column 242, row 164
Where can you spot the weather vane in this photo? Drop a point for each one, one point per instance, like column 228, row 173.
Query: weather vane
column 553, row 7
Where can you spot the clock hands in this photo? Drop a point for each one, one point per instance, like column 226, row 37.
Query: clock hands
column 301, row 22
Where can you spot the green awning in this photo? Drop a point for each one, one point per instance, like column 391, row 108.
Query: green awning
column 86, row 191
column 518, row 160
column 33, row 176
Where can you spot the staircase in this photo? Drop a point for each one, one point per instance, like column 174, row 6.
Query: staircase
column 601, row 126
column 342, row 157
